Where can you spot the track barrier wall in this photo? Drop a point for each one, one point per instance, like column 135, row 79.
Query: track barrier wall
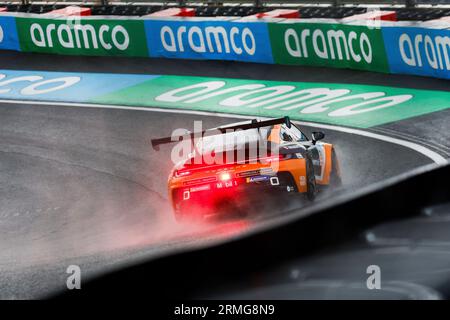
column 420, row 49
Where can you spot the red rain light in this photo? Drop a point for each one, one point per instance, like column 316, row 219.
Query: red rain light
column 225, row 176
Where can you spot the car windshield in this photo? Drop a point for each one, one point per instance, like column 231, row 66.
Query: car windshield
column 297, row 134
column 233, row 140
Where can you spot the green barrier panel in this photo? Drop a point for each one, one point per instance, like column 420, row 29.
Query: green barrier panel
column 342, row 104
column 78, row 36
column 328, row 45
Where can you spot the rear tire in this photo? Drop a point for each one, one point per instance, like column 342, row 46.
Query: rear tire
column 187, row 214
column 180, row 215
column 310, row 179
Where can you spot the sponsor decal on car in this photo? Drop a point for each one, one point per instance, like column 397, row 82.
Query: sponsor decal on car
column 258, row 179
column 201, row 188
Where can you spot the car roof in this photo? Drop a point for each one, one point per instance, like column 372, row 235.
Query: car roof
column 234, row 139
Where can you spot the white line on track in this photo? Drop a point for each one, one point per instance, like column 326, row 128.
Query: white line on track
column 437, row 158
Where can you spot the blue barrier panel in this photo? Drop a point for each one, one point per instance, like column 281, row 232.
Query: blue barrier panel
column 8, row 34
column 419, row 51
column 209, row 39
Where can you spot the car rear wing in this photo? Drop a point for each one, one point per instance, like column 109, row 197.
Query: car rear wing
column 245, row 126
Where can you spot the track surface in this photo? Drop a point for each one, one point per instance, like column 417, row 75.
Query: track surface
column 82, row 186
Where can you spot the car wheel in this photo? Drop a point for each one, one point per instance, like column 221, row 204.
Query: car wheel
column 182, row 213
column 189, row 213
column 179, row 216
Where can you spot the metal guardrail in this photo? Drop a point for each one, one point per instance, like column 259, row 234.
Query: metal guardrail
column 257, row 3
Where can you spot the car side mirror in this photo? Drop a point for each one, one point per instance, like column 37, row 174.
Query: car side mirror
column 317, row 135
column 287, row 121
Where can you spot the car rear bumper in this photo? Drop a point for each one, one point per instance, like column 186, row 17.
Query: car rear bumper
column 236, row 193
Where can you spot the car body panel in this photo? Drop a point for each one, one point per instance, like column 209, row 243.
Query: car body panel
column 204, row 181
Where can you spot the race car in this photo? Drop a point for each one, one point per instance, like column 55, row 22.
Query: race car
column 248, row 160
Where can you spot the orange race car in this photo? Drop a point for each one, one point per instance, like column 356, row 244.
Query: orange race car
column 247, row 161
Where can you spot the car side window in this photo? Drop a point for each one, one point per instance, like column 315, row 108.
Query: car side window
column 285, row 135
column 297, row 134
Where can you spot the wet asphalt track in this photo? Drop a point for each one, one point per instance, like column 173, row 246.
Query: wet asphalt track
column 82, row 186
